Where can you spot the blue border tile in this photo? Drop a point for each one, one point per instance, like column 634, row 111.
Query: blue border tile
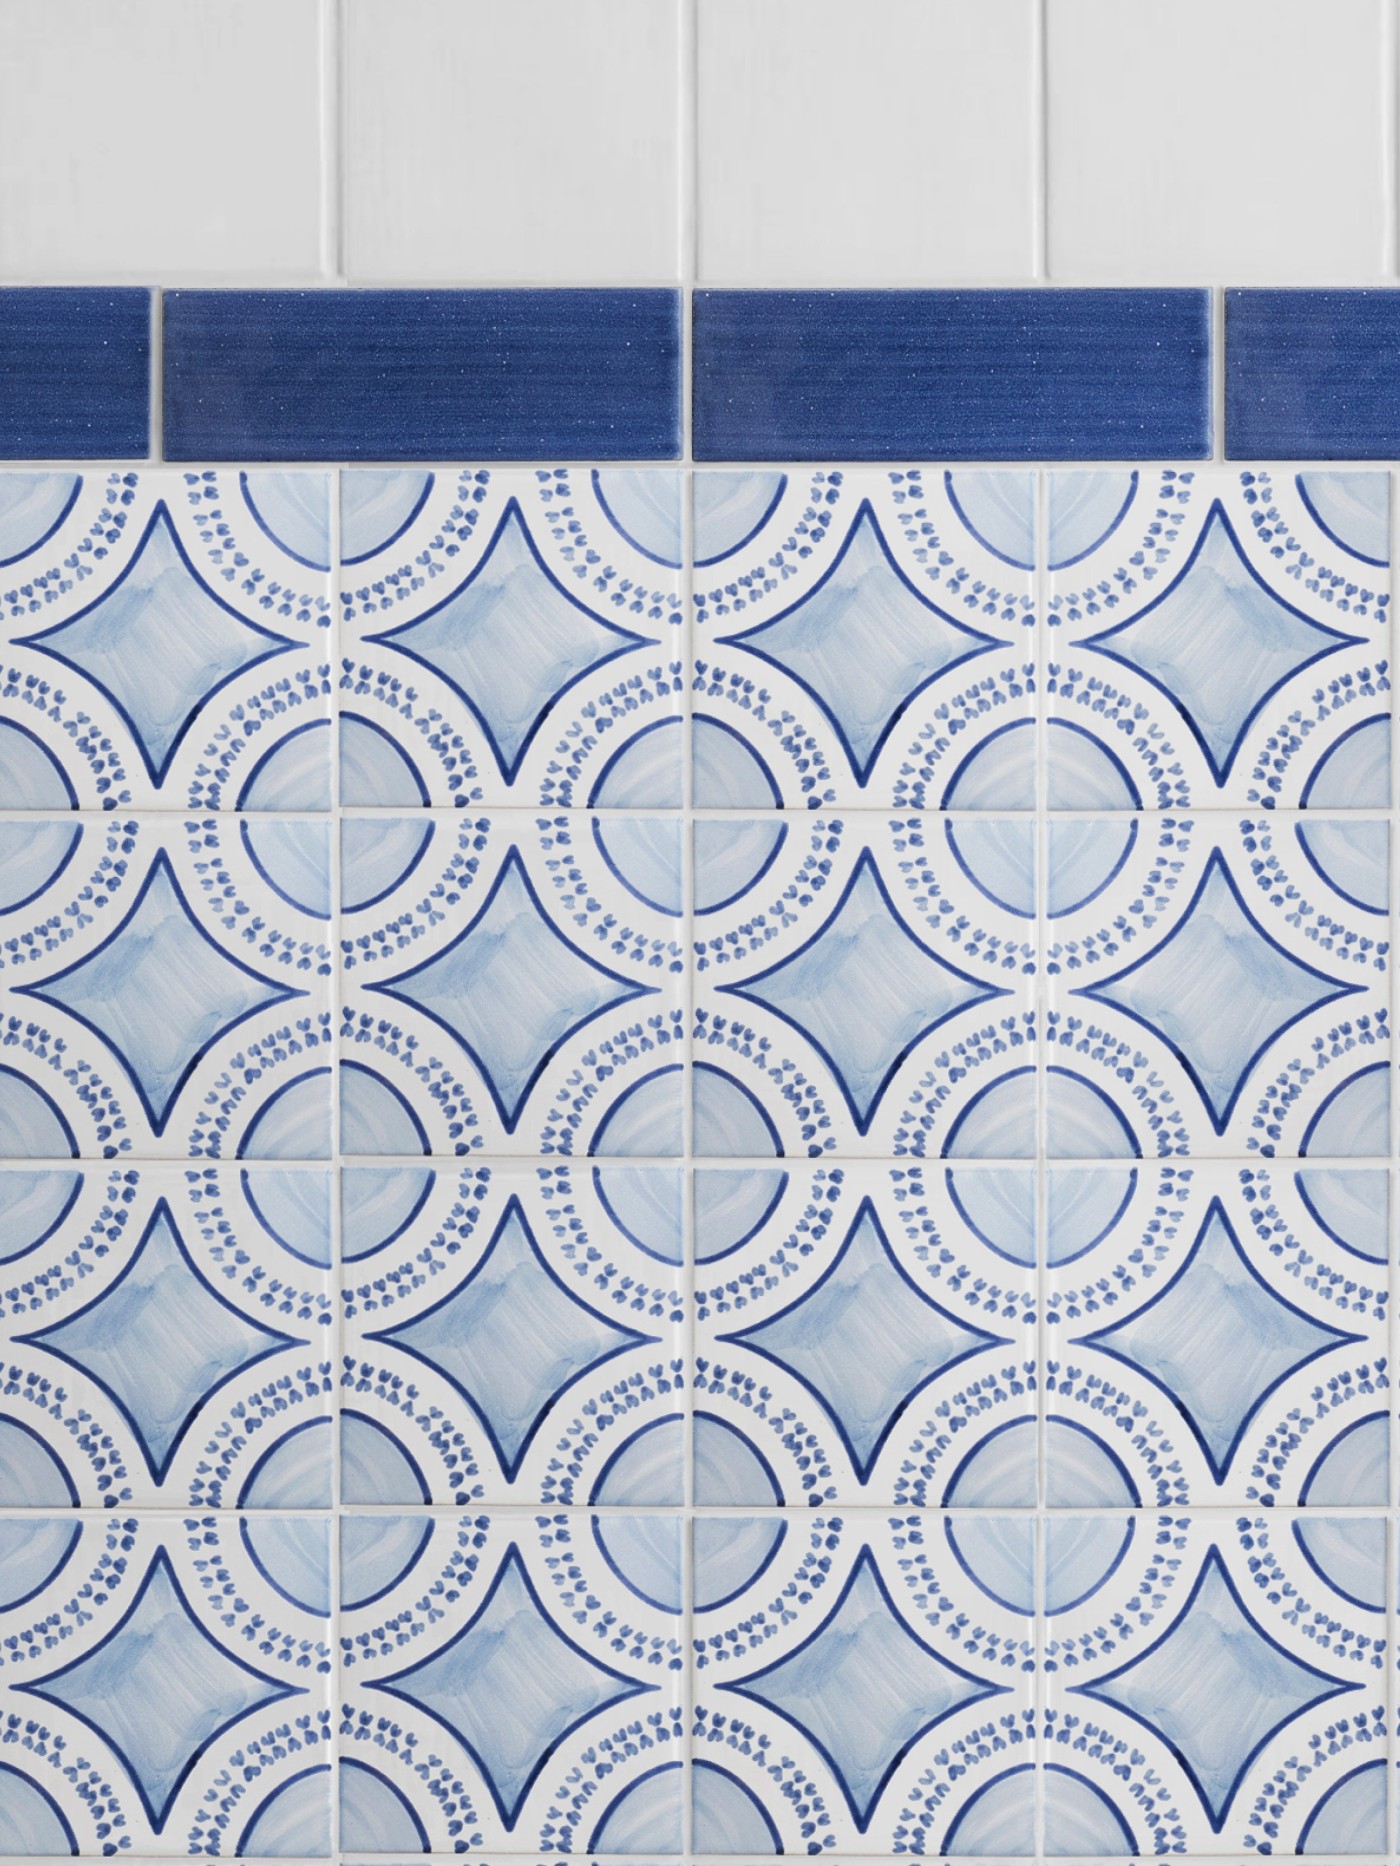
column 432, row 375
column 952, row 375
column 76, row 365
column 1312, row 375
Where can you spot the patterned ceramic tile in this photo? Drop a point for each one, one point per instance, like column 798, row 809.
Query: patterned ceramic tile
column 1215, row 1683
column 1218, row 637
column 864, row 1684
column 511, row 637
column 513, row 1334
column 511, row 984
column 863, row 638
column 1217, row 1334
column 1219, row 986
column 165, row 986
column 865, row 1335
column 165, row 1337
column 166, row 641
column 864, row 986
column 166, row 1684
column 543, row 1711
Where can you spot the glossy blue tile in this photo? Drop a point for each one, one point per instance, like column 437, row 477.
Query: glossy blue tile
column 76, row 365
column 533, row 1675
column 1218, row 637
column 1311, row 375
column 172, row 978
column 865, row 1335
column 539, row 1008
column 172, row 1679
column 864, row 987
column 1218, row 986
column 953, row 375
column 1212, row 1680
column 512, row 1335
column 168, row 644
column 864, row 1685
column 1216, row 1335
column 166, row 1331
column 422, row 375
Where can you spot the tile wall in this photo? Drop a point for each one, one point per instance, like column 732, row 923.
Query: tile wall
column 698, row 1141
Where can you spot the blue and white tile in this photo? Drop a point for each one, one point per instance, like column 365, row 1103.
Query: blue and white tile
column 166, row 1684
column 166, row 640
column 165, row 1337
column 864, row 986
column 1215, row 1684
column 511, row 637
column 165, row 988
column 1217, row 1335
column 513, row 1334
column 511, row 984
column 864, row 639
column 865, row 1335
column 863, row 1684
column 1218, row 638
column 1219, row 985
column 540, row 1712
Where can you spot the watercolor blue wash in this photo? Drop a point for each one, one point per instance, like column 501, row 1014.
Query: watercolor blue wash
column 162, row 1685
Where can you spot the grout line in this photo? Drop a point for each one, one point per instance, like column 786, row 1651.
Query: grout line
column 333, row 140
column 1389, row 74
column 1040, row 130
column 1042, row 1187
column 716, row 1163
column 999, row 463
column 1393, row 1214
column 337, row 1253
column 518, row 811
column 870, row 1510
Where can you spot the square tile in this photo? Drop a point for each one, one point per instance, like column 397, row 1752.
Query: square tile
column 1218, row 638
column 864, row 986
column 165, row 987
column 511, row 984
column 513, row 1334
column 1134, row 198
column 543, row 1712
column 107, row 103
column 916, row 195
column 579, row 108
column 1217, row 1335
column 865, row 1335
column 166, row 1337
column 511, row 637
column 863, row 638
column 864, row 1684
column 1218, row 985
column 171, row 1680
column 166, row 640
column 1215, row 1683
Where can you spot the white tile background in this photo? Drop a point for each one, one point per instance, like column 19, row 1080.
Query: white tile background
column 799, row 142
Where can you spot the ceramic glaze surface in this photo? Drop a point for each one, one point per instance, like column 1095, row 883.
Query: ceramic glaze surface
column 698, row 791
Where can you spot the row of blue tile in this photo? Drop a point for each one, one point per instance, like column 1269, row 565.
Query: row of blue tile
column 841, row 1686
column 1112, row 1336
column 392, row 375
